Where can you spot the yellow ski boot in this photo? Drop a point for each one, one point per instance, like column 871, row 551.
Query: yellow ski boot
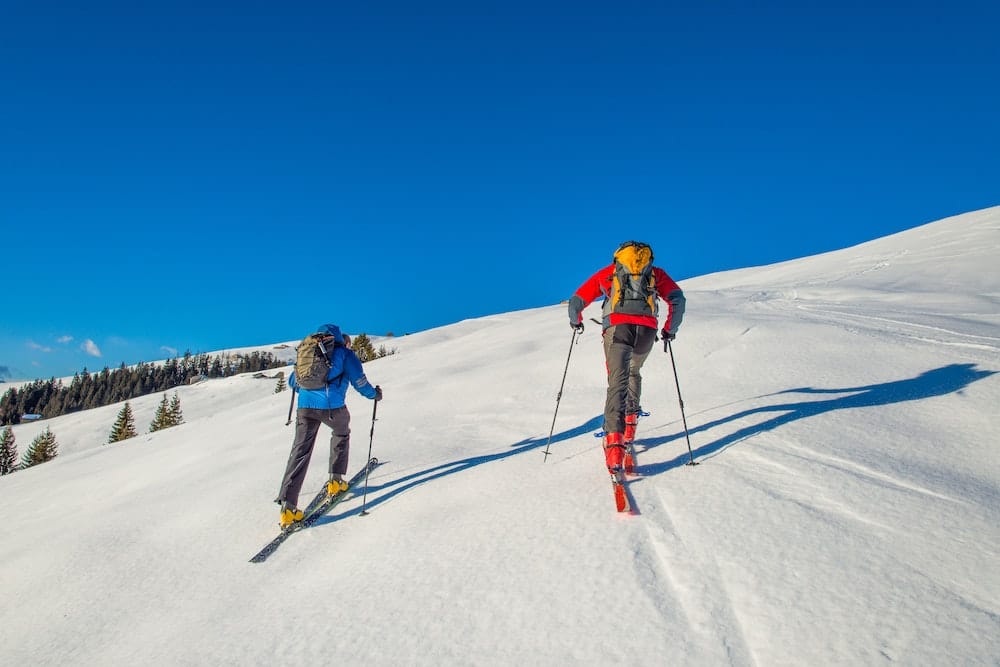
column 337, row 484
column 289, row 516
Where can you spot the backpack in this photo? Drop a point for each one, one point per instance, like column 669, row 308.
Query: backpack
column 633, row 286
column 312, row 360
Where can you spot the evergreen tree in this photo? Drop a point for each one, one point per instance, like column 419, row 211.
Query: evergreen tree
column 362, row 345
column 161, row 419
column 124, row 427
column 8, row 407
column 43, row 448
column 281, row 384
column 174, row 414
column 8, row 452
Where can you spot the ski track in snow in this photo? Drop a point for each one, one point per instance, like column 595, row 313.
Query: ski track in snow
column 919, row 332
column 844, row 316
column 683, row 569
column 821, row 496
column 795, row 449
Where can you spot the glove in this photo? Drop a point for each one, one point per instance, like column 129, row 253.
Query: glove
column 576, row 326
column 378, row 393
column 667, row 337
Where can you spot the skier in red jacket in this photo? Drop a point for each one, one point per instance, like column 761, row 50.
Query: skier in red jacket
column 630, row 286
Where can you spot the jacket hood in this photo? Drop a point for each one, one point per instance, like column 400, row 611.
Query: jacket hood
column 333, row 330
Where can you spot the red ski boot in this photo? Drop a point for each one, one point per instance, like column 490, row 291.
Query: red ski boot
column 629, row 438
column 630, row 423
column 614, row 451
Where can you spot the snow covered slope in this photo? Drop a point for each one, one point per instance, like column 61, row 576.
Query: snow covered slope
column 846, row 509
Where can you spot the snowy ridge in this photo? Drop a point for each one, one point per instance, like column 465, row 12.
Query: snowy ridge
column 847, row 509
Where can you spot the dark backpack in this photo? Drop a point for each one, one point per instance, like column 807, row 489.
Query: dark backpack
column 633, row 286
column 312, row 360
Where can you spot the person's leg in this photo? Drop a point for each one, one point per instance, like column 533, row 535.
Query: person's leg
column 643, row 344
column 339, row 421
column 617, row 353
column 306, row 427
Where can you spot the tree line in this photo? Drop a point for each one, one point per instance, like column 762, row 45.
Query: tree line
column 51, row 398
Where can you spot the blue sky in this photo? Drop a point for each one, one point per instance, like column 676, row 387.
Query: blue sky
column 196, row 176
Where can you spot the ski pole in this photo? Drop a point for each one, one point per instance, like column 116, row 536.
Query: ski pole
column 572, row 340
column 291, row 404
column 371, row 439
column 691, row 462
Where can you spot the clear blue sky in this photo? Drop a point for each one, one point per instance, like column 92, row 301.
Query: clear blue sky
column 200, row 175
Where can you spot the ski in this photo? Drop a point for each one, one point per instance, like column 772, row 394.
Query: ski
column 621, row 493
column 317, row 508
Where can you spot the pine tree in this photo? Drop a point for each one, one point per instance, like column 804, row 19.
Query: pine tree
column 124, row 427
column 281, row 384
column 43, row 448
column 362, row 345
column 8, row 452
column 174, row 414
column 161, row 419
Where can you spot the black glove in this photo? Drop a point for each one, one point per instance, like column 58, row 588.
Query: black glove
column 577, row 326
column 667, row 337
column 378, row 393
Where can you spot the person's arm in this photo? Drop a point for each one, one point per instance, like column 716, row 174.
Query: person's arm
column 586, row 293
column 352, row 366
column 672, row 294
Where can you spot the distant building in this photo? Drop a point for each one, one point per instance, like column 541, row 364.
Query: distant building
column 30, row 418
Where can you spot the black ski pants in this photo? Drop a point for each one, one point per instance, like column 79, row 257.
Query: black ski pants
column 307, row 423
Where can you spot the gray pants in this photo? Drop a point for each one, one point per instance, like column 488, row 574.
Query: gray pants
column 307, row 423
column 626, row 347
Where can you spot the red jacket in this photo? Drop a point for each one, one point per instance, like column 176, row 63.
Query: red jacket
column 599, row 284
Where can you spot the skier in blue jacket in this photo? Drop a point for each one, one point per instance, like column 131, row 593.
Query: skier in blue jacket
column 324, row 406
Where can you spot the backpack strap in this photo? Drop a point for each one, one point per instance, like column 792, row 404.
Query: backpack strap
column 322, row 347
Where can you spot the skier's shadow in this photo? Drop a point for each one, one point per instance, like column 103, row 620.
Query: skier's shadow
column 386, row 491
column 936, row 382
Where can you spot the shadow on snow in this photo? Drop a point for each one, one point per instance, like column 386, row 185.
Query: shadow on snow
column 386, row 491
column 936, row 382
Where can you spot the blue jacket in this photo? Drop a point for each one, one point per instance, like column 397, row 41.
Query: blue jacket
column 345, row 368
